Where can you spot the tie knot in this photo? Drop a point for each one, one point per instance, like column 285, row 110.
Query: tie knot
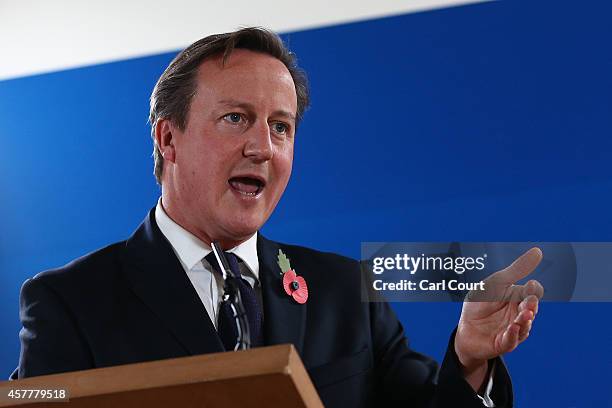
column 232, row 260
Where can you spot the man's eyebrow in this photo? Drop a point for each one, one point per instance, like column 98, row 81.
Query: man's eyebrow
column 249, row 107
column 284, row 114
column 238, row 104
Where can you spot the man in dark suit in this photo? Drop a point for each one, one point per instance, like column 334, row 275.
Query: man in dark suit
column 224, row 115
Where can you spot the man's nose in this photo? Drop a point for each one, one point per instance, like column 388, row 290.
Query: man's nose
column 258, row 145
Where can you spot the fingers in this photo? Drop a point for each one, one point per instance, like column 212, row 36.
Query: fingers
column 517, row 332
column 518, row 293
column 524, row 330
column 524, row 316
column 521, row 267
column 524, row 319
column 510, row 338
column 531, row 303
column 520, row 328
column 533, row 288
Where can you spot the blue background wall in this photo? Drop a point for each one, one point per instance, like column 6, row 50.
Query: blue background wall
column 489, row 122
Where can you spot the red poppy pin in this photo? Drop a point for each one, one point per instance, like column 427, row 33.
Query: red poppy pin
column 294, row 285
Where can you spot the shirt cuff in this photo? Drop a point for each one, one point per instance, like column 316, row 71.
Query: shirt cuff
column 486, row 398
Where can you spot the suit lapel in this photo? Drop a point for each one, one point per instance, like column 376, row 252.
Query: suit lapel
column 284, row 319
column 159, row 280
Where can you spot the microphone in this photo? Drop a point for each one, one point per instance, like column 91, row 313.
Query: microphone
column 231, row 295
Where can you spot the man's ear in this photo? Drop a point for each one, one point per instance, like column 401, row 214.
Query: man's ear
column 164, row 137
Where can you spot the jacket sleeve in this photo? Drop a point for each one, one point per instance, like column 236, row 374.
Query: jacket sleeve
column 50, row 338
column 407, row 378
column 451, row 383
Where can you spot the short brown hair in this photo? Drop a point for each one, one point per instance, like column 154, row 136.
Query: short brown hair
column 172, row 94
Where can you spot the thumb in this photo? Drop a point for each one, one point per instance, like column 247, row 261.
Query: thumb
column 521, row 267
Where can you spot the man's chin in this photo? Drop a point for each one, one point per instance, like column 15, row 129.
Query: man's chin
column 238, row 226
column 241, row 231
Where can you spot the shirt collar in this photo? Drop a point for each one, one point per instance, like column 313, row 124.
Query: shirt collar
column 190, row 250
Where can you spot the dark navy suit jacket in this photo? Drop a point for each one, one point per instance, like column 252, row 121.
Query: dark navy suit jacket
column 132, row 302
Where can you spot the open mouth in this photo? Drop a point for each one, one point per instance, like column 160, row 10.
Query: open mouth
column 248, row 186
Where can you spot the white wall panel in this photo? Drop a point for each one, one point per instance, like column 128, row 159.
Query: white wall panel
column 42, row 35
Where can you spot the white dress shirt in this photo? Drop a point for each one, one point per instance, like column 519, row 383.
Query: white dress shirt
column 191, row 251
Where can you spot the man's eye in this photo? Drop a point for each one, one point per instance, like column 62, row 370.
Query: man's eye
column 280, row 128
column 233, row 117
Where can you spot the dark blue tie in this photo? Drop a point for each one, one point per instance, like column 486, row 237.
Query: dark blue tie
column 226, row 325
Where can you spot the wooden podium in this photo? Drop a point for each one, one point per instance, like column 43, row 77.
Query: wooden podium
column 263, row 377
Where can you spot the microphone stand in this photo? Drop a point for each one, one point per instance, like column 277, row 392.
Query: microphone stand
column 231, row 294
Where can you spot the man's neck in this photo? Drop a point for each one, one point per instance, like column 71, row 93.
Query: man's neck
column 225, row 243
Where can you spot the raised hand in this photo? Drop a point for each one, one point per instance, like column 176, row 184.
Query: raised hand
column 495, row 321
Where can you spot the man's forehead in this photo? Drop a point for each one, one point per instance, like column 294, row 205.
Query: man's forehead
column 244, row 73
column 243, row 61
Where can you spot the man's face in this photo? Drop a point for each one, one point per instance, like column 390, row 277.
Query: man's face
column 233, row 160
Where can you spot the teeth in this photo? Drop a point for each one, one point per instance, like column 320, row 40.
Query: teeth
column 246, row 186
column 248, row 194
